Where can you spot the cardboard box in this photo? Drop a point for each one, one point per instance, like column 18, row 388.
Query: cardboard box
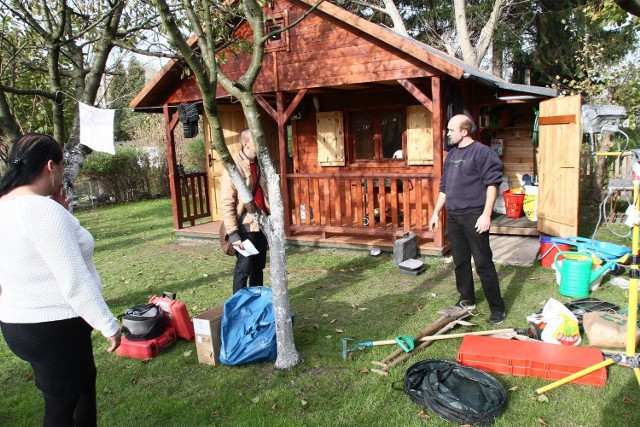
column 207, row 330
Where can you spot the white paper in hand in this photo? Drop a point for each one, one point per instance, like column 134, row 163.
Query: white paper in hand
column 249, row 249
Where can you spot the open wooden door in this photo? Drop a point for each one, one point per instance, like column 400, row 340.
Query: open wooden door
column 233, row 122
column 560, row 137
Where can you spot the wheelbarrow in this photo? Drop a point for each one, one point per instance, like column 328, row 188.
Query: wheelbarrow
column 607, row 252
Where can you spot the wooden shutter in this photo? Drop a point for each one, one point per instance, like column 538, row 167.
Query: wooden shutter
column 330, row 138
column 419, row 135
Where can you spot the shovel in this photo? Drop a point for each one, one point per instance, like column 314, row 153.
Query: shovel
column 349, row 345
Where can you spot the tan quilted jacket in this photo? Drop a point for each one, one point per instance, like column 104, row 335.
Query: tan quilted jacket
column 231, row 206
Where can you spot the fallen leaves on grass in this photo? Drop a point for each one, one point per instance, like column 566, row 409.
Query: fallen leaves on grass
column 304, row 403
column 542, row 398
column 363, row 371
column 325, row 315
column 328, row 337
column 515, row 388
column 214, row 414
column 333, row 321
column 187, row 353
column 627, row 400
column 422, row 415
column 274, row 406
column 338, row 330
column 255, row 400
column 541, row 422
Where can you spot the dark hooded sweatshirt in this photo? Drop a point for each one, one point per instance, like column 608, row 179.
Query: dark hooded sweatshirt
column 467, row 173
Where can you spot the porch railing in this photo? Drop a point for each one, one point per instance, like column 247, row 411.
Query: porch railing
column 194, row 200
column 371, row 204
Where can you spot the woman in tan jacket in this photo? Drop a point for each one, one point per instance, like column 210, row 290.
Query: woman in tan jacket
column 239, row 223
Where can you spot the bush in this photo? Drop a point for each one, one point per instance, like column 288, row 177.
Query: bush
column 128, row 175
column 192, row 155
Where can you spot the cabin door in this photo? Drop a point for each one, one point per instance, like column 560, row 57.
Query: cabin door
column 560, row 137
column 233, row 122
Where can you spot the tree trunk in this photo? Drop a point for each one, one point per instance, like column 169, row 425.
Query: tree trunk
column 208, row 75
column 470, row 53
column 273, row 228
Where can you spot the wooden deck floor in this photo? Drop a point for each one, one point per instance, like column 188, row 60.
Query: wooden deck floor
column 501, row 224
column 209, row 231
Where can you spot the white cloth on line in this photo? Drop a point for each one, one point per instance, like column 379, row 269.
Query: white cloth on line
column 96, row 128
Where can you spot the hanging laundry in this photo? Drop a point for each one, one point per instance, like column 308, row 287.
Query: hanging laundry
column 188, row 115
column 96, row 128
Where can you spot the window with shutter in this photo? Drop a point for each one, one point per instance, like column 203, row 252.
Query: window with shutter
column 419, row 135
column 330, row 138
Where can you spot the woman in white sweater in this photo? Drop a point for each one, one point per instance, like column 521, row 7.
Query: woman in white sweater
column 50, row 292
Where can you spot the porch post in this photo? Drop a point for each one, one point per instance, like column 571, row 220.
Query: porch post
column 282, row 146
column 282, row 117
column 438, row 148
column 170, row 122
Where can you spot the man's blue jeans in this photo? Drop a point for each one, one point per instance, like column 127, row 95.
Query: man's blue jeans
column 467, row 242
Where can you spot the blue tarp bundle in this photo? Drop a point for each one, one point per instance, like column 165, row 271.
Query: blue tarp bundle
column 248, row 327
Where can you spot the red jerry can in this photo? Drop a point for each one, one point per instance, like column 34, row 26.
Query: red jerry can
column 176, row 315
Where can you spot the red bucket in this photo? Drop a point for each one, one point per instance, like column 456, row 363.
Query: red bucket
column 548, row 250
column 513, row 204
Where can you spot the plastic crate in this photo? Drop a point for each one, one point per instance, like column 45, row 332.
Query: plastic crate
column 531, row 359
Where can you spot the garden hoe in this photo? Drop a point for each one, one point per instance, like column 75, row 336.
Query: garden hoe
column 349, row 345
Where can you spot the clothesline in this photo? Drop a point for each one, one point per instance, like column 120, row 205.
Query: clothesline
column 136, row 109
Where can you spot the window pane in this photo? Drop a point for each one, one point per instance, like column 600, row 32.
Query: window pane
column 364, row 136
column 391, row 128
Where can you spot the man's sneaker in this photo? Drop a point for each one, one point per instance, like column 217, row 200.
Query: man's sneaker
column 496, row 318
column 466, row 304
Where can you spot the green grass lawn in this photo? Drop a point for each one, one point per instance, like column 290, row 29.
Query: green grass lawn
column 334, row 294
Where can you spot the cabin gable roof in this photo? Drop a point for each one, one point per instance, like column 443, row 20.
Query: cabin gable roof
column 362, row 52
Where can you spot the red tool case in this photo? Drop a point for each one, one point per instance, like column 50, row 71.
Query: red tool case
column 147, row 349
column 176, row 315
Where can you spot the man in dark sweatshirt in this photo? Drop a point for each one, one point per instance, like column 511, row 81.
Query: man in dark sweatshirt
column 468, row 188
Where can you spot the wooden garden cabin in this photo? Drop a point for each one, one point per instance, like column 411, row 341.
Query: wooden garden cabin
column 355, row 117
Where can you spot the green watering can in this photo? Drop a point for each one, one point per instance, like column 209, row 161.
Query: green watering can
column 576, row 272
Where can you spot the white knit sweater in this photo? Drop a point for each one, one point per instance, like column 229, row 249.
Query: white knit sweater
column 46, row 266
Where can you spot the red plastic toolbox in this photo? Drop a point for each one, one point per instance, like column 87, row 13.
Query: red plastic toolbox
column 531, row 359
column 147, row 349
column 176, row 315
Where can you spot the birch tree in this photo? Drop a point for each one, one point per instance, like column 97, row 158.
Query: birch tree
column 210, row 21
column 462, row 30
column 70, row 43
column 386, row 8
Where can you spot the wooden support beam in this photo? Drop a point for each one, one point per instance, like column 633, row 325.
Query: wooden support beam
column 268, row 108
column 282, row 146
column 294, row 104
column 557, row 120
column 438, row 147
column 417, row 93
column 170, row 122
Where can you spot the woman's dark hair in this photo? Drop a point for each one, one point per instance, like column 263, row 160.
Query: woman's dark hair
column 28, row 156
